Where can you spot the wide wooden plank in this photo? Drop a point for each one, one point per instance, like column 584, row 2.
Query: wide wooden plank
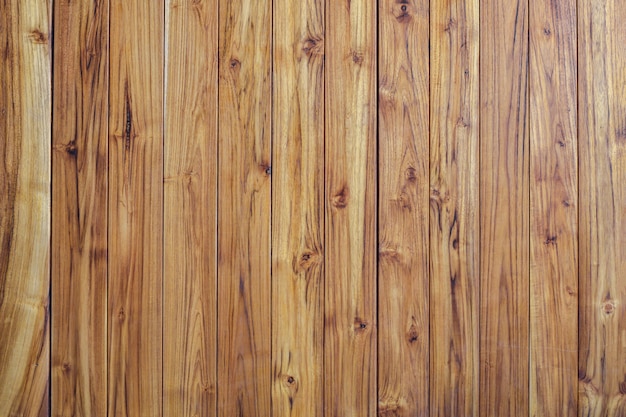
column 350, row 236
column 298, row 208
column 454, row 220
column 190, row 209
column 244, row 201
column 25, row 122
column 504, row 213
column 403, row 287
column 79, row 209
column 135, row 208
column 602, row 244
column 553, row 209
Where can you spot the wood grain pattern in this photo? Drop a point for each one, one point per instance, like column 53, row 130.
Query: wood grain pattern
column 79, row 207
column 190, row 209
column 553, row 209
column 25, row 120
column 298, row 208
column 602, row 197
column 135, row 208
column 454, row 220
column 244, row 196
column 403, row 271
column 350, row 236
column 504, row 213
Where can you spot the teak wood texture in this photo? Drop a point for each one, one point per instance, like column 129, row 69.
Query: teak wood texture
column 312, row 208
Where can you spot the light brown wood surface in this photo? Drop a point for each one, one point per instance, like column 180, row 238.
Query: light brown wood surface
column 135, row 293
column 403, row 190
column 25, row 175
column 190, row 210
column 553, row 209
column 312, row 208
column 504, row 208
column 454, row 216
column 602, row 214
column 244, row 201
column 79, row 231
column 298, row 208
column 350, row 180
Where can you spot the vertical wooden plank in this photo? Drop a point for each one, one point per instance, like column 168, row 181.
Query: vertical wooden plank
column 25, row 120
column 602, row 245
column 504, row 213
column 135, row 208
column 244, row 196
column 190, row 209
column 454, row 220
column 403, row 288
column 298, row 208
column 79, row 208
column 553, row 209
column 350, row 152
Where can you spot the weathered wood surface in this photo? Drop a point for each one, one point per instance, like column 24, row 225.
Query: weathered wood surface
column 79, row 202
column 403, row 190
column 553, row 209
column 135, row 286
column 244, row 208
column 454, row 215
column 298, row 209
column 602, row 213
column 25, row 176
column 504, row 208
column 190, row 210
column 314, row 208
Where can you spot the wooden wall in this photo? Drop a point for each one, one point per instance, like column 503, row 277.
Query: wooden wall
column 312, row 208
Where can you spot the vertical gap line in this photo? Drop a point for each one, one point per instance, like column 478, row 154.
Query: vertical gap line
column 578, row 140
column 216, row 62
column 325, row 220
column 530, row 148
column 428, row 257
column 51, row 221
column 163, row 129
column 325, row 225
column 108, row 191
column 271, row 178
column 377, row 203
column 480, row 234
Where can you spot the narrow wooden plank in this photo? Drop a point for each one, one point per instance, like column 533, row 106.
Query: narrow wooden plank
column 553, row 209
column 350, row 236
column 504, row 213
column 135, row 208
column 244, row 196
column 79, row 209
column 454, row 218
column 190, row 209
column 602, row 245
column 298, row 208
column 403, row 287
column 25, row 120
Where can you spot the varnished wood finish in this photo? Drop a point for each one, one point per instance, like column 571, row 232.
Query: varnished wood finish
column 25, row 123
column 504, row 208
column 350, row 179
column 454, row 221
column 553, row 209
column 190, row 210
column 602, row 200
column 312, row 208
column 403, row 286
column 79, row 200
column 244, row 201
column 135, row 209
column 298, row 209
